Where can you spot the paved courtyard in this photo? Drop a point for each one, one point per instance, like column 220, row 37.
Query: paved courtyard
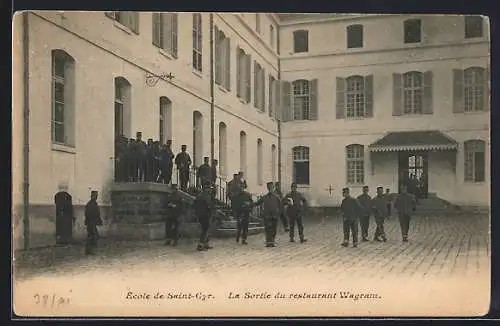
column 447, row 259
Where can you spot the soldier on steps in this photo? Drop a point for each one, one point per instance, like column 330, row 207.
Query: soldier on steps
column 204, row 207
column 271, row 209
column 243, row 206
column 175, row 208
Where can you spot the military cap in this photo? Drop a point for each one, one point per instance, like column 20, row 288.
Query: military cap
column 94, row 192
column 380, row 187
column 345, row 189
column 270, row 184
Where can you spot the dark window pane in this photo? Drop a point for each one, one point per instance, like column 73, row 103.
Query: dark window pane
column 473, row 26
column 118, row 119
column 479, row 166
column 58, row 112
column 301, row 173
column 301, row 41
column 59, row 66
column 412, row 31
column 59, row 92
column 355, row 36
column 58, row 132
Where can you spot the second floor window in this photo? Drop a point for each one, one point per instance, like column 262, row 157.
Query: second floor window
column 412, row 31
column 413, row 93
column 129, row 19
column 243, row 75
column 300, row 41
column 301, row 99
column 354, row 36
column 165, row 32
column 197, row 37
column 222, row 59
column 413, row 90
column 259, row 85
column 354, row 97
column 63, row 79
column 471, row 90
column 473, row 26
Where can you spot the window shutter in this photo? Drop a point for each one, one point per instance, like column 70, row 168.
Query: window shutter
column 313, row 98
column 238, row 72
column 396, row 94
column 427, row 96
column 166, row 25
column 277, row 99
column 487, row 92
column 286, row 88
column 227, row 50
column 263, row 90
column 340, row 98
column 255, row 85
column 248, row 80
column 156, row 29
column 458, row 91
column 217, row 55
column 136, row 22
column 110, row 14
column 369, row 96
column 271, row 97
column 174, row 34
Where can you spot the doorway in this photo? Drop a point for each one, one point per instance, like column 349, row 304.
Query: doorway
column 413, row 172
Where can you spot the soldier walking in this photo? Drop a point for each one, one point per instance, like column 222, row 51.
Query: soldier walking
column 283, row 217
column 405, row 204
column 183, row 162
column 175, row 208
column 379, row 204
column 366, row 206
column 295, row 204
column 243, row 206
column 204, row 209
column 92, row 220
column 350, row 209
column 271, row 209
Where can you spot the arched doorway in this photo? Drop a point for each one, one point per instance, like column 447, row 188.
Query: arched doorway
column 165, row 120
column 243, row 153
column 197, row 138
column 223, row 149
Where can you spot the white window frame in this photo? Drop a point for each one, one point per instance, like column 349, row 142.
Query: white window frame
column 301, row 89
column 470, row 149
column 197, row 42
column 355, row 164
column 355, row 97
column 413, row 93
column 474, row 89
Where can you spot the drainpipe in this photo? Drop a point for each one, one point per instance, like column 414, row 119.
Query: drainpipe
column 212, row 98
column 26, row 89
column 279, row 115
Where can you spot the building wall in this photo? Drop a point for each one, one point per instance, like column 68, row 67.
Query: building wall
column 383, row 54
column 103, row 50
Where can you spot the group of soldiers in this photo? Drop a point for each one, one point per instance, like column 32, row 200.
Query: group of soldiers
column 151, row 161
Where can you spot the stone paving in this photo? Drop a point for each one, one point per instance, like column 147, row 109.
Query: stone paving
column 440, row 248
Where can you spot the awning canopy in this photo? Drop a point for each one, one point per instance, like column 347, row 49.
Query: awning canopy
column 414, row 141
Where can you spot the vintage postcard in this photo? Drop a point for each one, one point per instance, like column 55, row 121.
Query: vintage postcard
column 250, row 164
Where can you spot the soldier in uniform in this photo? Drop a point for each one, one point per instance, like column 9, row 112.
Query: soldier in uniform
column 183, row 162
column 242, row 180
column 64, row 215
column 203, row 173
column 405, row 204
column 92, row 220
column 141, row 152
column 150, row 158
column 243, row 206
column 283, row 217
column 379, row 205
column 175, row 208
column 350, row 209
column 366, row 206
column 295, row 204
column 132, row 160
column 271, row 209
column 166, row 162
column 233, row 188
column 204, row 209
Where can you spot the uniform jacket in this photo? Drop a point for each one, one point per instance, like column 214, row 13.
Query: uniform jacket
column 204, row 172
column 92, row 213
column 366, row 204
column 234, row 188
column 243, row 202
column 379, row 205
column 175, row 205
column 299, row 202
column 166, row 157
column 405, row 203
column 271, row 205
column 204, row 205
column 183, row 161
column 350, row 208
column 141, row 149
column 213, row 174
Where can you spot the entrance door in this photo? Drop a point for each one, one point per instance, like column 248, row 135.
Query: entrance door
column 413, row 172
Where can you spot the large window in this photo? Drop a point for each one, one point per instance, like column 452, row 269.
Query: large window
column 129, row 19
column 301, row 98
column 165, row 35
column 355, row 164
column 473, row 26
column 259, row 86
column 243, row 75
column 413, row 91
column 301, row 165
column 412, row 31
column 474, row 89
column 300, row 41
column 122, row 105
column 222, row 59
column 474, row 160
column 355, row 97
column 62, row 98
column 197, row 43
column 165, row 119
column 354, row 36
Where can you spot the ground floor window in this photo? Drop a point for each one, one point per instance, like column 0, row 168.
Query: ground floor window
column 301, row 165
column 474, row 161
column 355, row 164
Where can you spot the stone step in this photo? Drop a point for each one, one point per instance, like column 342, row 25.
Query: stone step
column 232, row 232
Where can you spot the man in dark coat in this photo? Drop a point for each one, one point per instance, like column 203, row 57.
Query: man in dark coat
column 379, row 205
column 132, row 160
column 92, row 220
column 204, row 207
column 271, row 205
column 364, row 218
column 405, row 204
column 350, row 209
column 242, row 180
column 203, row 173
column 141, row 152
column 166, row 162
column 175, row 208
column 183, row 162
column 295, row 205
column 150, row 158
column 64, row 215
column 243, row 206
column 283, row 217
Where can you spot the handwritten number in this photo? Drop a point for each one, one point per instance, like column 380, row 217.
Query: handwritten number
column 37, row 298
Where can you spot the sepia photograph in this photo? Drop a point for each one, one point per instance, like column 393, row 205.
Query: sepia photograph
column 215, row 164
